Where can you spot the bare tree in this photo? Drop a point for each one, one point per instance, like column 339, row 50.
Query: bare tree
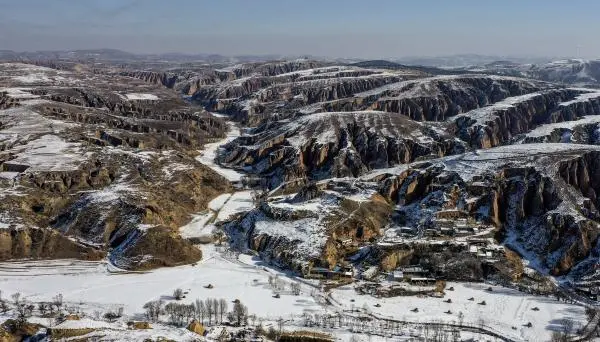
column 295, row 288
column 58, row 301
column 280, row 323
column 557, row 336
column 24, row 310
column 190, row 312
column 43, row 308
column 153, row 310
column 16, row 297
column 200, row 310
column 4, row 306
column 240, row 313
column 209, row 309
column 178, row 313
column 567, row 327
column 223, row 306
column 178, row 294
column 215, row 305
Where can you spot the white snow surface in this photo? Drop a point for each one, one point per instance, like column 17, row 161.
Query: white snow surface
column 92, row 284
column 84, row 323
column 476, row 162
column 504, row 309
column 322, row 127
column 240, row 201
column 547, row 129
column 209, row 153
column 141, row 96
column 49, row 153
column 18, row 93
column 590, row 95
column 220, row 209
column 485, row 114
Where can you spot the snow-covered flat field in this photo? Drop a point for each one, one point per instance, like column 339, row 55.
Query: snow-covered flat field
column 504, row 309
column 91, row 286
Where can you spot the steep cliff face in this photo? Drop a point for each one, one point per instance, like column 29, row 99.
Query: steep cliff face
column 582, row 131
column 155, row 129
column 166, row 79
column 335, row 145
column 515, row 192
column 247, row 98
column 548, row 221
column 43, row 244
column 438, row 98
column 499, row 123
column 583, row 173
column 319, row 230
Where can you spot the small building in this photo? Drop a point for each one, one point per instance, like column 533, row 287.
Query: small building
column 344, row 271
column 413, row 270
column 422, row 281
column 337, row 272
column 407, row 230
column 398, row 275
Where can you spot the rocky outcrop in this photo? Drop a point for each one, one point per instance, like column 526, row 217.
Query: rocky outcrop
column 103, row 164
column 583, row 173
column 322, row 238
column 155, row 129
column 247, row 98
column 156, row 247
column 43, row 244
column 437, row 98
column 166, row 79
column 532, row 209
column 497, row 125
column 335, row 145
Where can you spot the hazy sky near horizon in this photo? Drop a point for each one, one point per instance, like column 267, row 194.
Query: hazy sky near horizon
column 348, row 28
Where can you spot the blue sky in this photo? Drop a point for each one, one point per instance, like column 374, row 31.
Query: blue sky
column 349, row 28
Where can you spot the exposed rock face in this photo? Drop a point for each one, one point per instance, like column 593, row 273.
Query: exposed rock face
column 583, row 173
column 436, row 98
column 530, row 205
column 497, row 125
column 310, row 237
column 43, row 244
column 162, row 78
column 335, row 145
column 439, row 98
column 253, row 99
column 358, row 158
